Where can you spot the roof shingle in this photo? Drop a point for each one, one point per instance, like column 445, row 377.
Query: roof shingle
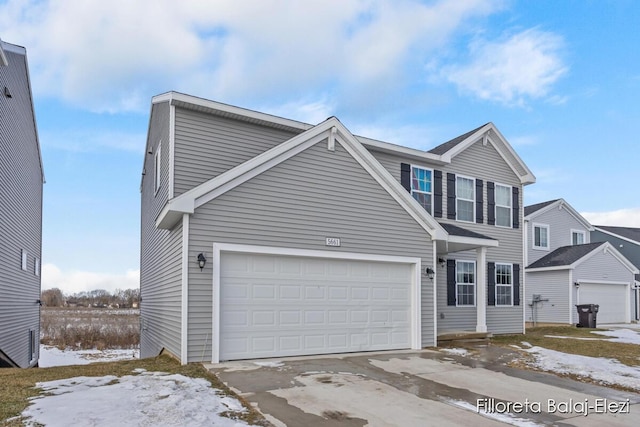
column 443, row 148
column 628, row 232
column 528, row 210
column 565, row 255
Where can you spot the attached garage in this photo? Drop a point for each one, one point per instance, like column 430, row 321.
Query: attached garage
column 613, row 299
column 275, row 302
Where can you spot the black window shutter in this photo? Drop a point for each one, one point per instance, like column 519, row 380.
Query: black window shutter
column 491, row 203
column 516, row 284
column 451, row 196
column 451, row 282
column 405, row 176
column 516, row 207
column 491, row 280
column 437, row 193
column 479, row 202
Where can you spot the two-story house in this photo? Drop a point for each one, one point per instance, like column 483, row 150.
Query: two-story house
column 627, row 241
column 21, row 181
column 565, row 268
column 267, row 237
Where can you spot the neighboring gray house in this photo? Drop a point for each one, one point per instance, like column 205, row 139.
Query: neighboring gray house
column 267, row 237
column 627, row 241
column 564, row 268
column 21, row 180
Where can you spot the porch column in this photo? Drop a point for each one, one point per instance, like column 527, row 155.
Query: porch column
column 481, row 289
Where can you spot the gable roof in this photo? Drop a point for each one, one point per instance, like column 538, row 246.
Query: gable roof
column 443, row 148
column 569, row 257
column 629, row 234
column 528, row 210
column 533, row 211
column 333, row 131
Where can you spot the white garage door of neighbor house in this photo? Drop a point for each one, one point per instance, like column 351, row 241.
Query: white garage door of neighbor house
column 612, row 299
column 274, row 306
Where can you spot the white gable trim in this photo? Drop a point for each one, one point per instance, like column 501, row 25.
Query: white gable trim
column 190, row 200
column 3, row 57
column 484, row 133
column 610, row 233
column 562, row 204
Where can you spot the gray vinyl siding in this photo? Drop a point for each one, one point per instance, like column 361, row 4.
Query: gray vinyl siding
column 630, row 250
column 296, row 204
column 551, row 285
column 485, row 163
column 603, row 267
column 160, row 252
column 560, row 223
column 21, row 180
column 208, row 145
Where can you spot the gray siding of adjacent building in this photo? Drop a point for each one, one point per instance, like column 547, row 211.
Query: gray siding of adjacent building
column 161, row 251
column 296, row 204
column 208, row 145
column 21, row 180
column 603, row 267
column 560, row 223
column 485, row 163
column 630, row 250
column 553, row 286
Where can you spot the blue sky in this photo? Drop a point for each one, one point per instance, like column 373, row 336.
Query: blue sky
column 560, row 79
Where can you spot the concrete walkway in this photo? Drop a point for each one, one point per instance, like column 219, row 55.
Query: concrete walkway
column 420, row 388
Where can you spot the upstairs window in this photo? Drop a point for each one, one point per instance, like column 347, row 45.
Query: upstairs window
column 540, row 236
column 578, row 237
column 504, row 284
column 503, row 205
column 157, row 169
column 465, row 199
column 421, row 186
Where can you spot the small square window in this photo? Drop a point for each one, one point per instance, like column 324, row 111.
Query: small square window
column 24, row 260
column 540, row 236
column 577, row 237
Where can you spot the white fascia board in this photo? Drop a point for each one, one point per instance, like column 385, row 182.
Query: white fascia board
column 626, row 239
column 413, row 153
column 540, row 211
column 173, row 211
column 555, row 268
column 389, row 183
column 528, row 177
column 562, row 204
column 184, row 326
column 465, row 240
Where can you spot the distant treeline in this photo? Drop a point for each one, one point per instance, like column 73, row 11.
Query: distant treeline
column 127, row 298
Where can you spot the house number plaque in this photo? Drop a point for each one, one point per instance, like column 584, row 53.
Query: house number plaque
column 332, row 241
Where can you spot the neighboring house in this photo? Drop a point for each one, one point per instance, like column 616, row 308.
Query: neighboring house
column 627, row 241
column 564, row 268
column 21, row 180
column 267, row 237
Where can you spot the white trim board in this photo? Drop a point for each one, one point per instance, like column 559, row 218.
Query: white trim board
column 219, row 248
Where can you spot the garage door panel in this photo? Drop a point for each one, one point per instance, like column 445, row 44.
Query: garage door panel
column 611, row 298
column 274, row 306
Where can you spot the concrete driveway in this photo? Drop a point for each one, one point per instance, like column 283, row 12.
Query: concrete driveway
column 421, row 388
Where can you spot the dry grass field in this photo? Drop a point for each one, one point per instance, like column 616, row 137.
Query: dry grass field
column 89, row 328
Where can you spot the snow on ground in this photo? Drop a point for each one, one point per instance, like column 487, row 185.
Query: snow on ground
column 143, row 399
column 274, row 364
column 600, row 369
column 621, row 335
column 506, row 418
column 456, row 351
column 52, row 356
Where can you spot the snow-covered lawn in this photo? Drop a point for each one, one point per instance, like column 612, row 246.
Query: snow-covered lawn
column 52, row 356
column 600, row 369
column 619, row 335
column 142, row 399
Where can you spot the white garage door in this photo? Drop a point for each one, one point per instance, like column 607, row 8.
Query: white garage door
column 273, row 306
column 612, row 299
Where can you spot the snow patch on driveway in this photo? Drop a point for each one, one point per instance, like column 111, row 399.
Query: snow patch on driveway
column 621, row 335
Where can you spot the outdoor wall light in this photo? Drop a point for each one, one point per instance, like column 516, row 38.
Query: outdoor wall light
column 442, row 262
column 430, row 273
column 576, row 284
column 201, row 260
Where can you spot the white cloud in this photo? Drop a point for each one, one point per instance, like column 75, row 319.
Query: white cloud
column 622, row 217
column 74, row 281
column 525, row 65
column 112, row 56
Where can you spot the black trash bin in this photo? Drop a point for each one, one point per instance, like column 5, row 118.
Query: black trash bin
column 587, row 315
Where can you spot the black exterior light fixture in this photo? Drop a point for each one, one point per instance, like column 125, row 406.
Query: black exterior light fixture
column 442, row 262
column 430, row 273
column 201, row 260
column 576, row 284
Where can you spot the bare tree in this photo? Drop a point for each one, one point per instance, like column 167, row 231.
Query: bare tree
column 52, row 297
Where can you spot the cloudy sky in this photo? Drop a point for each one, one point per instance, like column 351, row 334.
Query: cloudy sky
column 560, row 79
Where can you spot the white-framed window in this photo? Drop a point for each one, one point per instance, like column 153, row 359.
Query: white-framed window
column 422, row 186
column 24, row 260
column 465, row 283
column 503, row 206
column 578, row 237
column 36, row 267
column 465, row 199
column 504, row 284
column 540, row 236
column 157, row 168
